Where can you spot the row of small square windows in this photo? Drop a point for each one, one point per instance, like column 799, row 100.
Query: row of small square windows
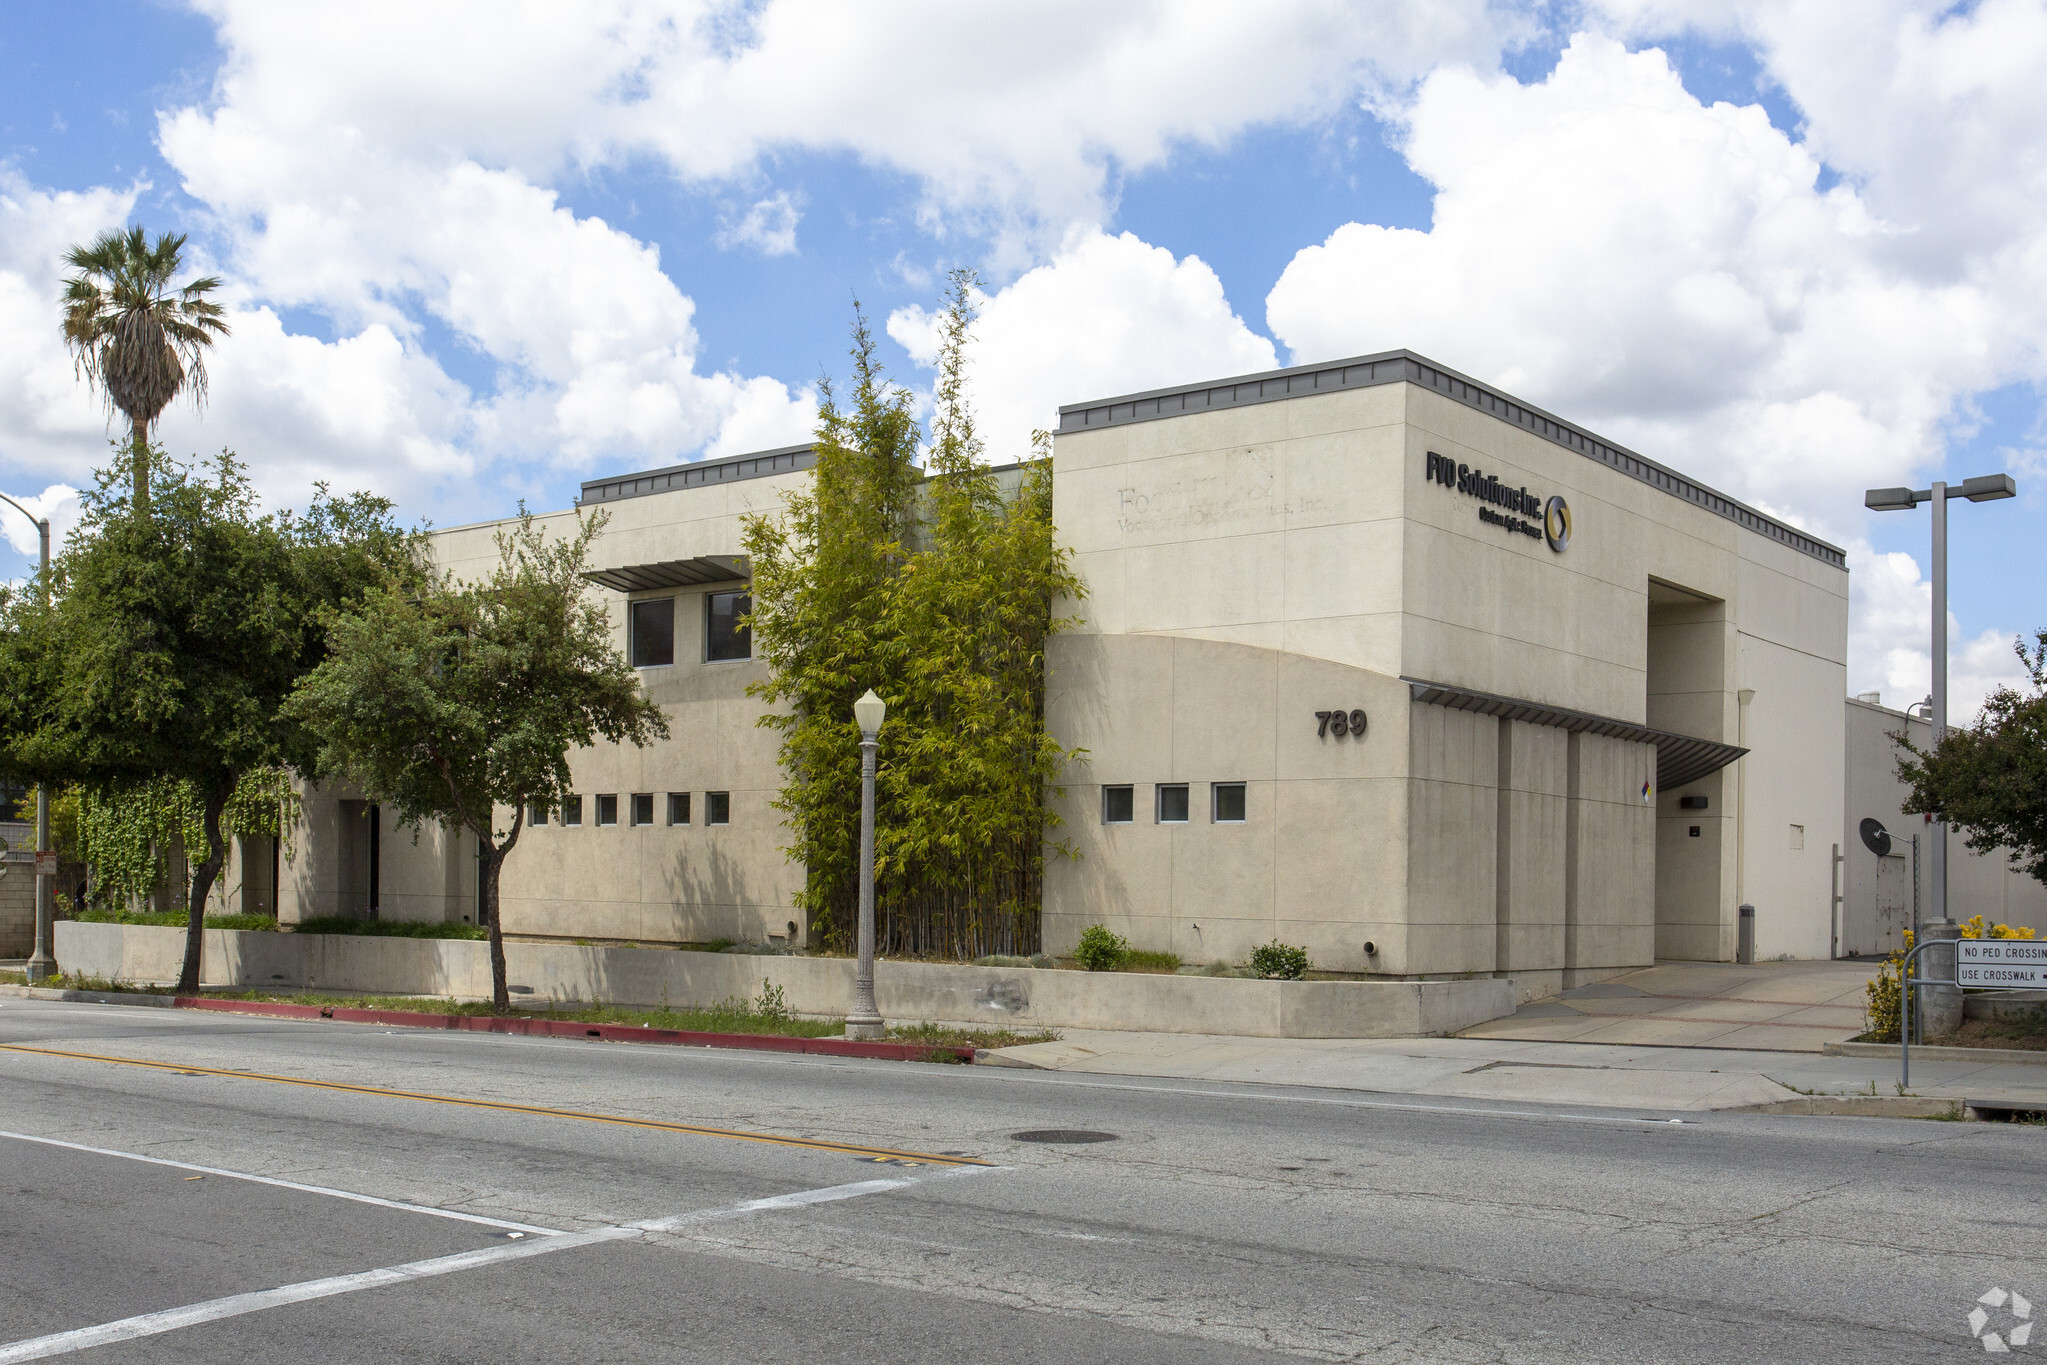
column 1171, row 802
column 717, row 809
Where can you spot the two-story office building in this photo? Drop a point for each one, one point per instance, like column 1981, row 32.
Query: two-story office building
column 1373, row 658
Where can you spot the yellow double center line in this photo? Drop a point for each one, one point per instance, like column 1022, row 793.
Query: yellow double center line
column 881, row 1154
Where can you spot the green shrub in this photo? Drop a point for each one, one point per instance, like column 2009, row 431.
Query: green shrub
column 1099, row 950
column 770, row 1004
column 392, row 928
column 173, row 919
column 1884, row 1008
column 1280, row 961
column 1145, row 960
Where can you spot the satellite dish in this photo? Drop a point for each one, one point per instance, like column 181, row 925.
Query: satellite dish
column 1876, row 838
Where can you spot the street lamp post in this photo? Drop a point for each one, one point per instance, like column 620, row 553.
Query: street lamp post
column 40, row 963
column 864, row 1021
column 1987, row 488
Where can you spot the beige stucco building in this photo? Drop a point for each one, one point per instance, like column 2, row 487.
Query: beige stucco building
column 1374, row 658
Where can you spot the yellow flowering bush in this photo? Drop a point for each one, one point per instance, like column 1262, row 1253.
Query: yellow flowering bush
column 1883, row 1009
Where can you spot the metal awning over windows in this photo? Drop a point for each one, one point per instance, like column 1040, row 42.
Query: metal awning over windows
column 1679, row 758
column 675, row 573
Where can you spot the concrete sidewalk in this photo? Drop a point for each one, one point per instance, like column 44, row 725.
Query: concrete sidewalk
column 1674, row 1078
column 1772, row 1006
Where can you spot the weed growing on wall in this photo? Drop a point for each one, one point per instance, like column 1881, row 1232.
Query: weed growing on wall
column 935, row 586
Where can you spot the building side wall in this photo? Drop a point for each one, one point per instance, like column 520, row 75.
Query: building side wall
column 1319, row 859
column 1978, row 883
column 652, row 883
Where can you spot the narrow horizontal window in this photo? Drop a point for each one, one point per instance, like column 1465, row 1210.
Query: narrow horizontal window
column 1226, row 803
column 1119, row 805
column 678, row 808
column 536, row 814
column 724, row 636
column 717, row 808
column 1172, row 807
column 607, row 810
column 653, row 633
column 643, row 808
column 572, row 810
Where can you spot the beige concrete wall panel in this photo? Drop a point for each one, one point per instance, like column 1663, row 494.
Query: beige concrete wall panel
column 1795, row 778
column 1229, row 581
column 1343, row 571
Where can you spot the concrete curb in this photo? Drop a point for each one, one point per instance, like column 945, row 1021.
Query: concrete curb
column 1859, row 1106
column 87, row 997
column 531, row 1028
column 1986, row 1055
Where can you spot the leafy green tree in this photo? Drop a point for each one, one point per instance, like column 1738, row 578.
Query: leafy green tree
column 937, row 587
column 174, row 634
column 137, row 338
column 459, row 703
column 1990, row 781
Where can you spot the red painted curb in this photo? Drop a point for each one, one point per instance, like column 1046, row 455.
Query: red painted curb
column 607, row 1033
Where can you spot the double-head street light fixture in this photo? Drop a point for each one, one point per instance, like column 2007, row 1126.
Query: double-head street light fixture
column 1987, row 488
column 864, row 1021
column 40, row 962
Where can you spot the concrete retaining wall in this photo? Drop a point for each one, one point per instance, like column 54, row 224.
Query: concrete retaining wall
column 817, row 986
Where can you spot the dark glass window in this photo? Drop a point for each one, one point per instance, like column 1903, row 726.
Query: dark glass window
column 643, row 808
column 678, row 808
column 1229, row 803
column 13, row 800
column 536, row 814
column 717, row 808
column 724, row 637
column 653, row 629
column 1173, row 804
column 572, row 810
column 1119, row 805
column 607, row 810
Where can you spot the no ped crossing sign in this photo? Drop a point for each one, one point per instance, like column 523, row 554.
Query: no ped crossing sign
column 2010, row 963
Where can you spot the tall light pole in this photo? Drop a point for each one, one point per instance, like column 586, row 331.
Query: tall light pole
column 1987, row 488
column 40, row 962
column 865, row 1020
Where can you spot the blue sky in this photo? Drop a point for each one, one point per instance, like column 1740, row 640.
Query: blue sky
column 1726, row 243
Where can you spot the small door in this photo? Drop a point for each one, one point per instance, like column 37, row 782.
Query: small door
column 1893, row 902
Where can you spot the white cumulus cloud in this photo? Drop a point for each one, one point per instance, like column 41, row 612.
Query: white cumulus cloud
column 1105, row 315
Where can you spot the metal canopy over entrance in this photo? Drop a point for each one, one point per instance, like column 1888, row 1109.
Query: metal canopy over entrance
column 674, row 573
column 1679, row 758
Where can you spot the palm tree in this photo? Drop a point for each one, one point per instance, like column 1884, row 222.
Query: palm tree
column 136, row 338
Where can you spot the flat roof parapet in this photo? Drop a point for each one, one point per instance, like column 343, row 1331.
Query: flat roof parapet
column 1394, row 367
column 756, row 465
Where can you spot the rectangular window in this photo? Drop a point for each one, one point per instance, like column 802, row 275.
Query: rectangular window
column 678, row 808
column 643, row 808
column 653, row 632
column 536, row 814
column 1172, row 804
column 717, row 808
column 1119, row 805
column 724, row 636
column 1226, row 803
column 607, row 810
column 572, row 810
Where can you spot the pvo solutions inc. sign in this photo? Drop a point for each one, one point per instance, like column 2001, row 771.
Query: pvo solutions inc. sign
column 1514, row 503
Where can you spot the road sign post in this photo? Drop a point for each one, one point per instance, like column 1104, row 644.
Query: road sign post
column 1981, row 964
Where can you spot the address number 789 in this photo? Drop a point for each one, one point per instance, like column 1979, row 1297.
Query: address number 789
column 1340, row 723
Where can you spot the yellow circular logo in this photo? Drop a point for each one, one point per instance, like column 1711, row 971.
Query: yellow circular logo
column 1556, row 524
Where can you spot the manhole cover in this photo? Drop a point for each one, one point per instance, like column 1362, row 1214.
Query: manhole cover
column 1062, row 1135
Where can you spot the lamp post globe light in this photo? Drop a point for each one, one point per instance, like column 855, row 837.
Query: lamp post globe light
column 40, row 963
column 1986, row 488
column 864, row 1020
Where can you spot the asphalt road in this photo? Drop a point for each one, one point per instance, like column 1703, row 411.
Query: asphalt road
column 696, row 1205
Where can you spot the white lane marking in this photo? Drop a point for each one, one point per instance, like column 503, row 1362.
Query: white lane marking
column 398, row 1204
column 236, row 1305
